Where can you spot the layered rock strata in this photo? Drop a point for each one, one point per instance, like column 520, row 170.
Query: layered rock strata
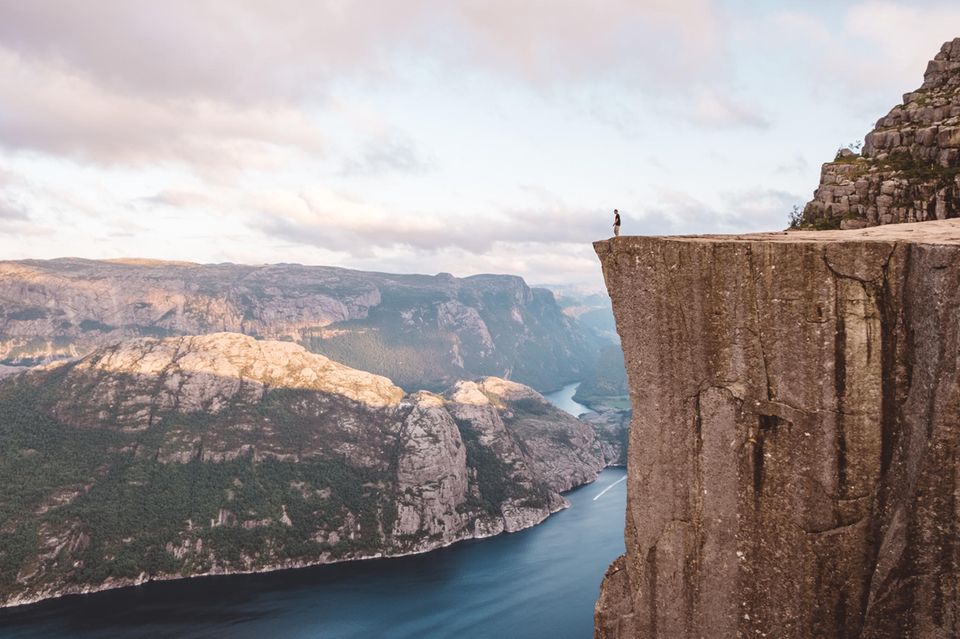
column 793, row 459
column 168, row 458
column 909, row 169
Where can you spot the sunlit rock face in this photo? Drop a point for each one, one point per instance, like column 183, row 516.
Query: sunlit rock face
column 792, row 465
column 909, row 169
column 421, row 331
column 166, row 458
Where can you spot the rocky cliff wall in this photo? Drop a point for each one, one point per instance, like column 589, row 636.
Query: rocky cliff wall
column 793, row 459
column 213, row 454
column 909, row 170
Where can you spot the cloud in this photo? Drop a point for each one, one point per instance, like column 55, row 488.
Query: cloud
column 384, row 155
column 549, row 41
column 796, row 165
column 260, row 51
column 11, row 210
column 544, row 245
column 879, row 48
column 678, row 213
column 175, row 199
column 714, row 110
column 364, row 232
column 49, row 110
column 208, row 83
column 361, row 230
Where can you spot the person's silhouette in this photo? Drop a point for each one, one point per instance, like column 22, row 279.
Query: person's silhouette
column 616, row 223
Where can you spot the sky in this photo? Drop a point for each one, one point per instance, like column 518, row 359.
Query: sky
column 460, row 136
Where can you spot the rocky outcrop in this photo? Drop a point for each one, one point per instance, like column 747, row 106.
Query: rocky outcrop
column 909, row 170
column 211, row 454
column 793, row 466
column 421, row 331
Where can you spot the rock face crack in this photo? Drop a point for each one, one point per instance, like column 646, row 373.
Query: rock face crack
column 793, row 458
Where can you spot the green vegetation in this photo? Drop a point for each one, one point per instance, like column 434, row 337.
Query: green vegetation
column 826, row 224
column 119, row 511
column 94, row 325
column 903, row 165
column 795, row 217
column 413, row 361
column 919, row 170
column 495, row 479
column 92, row 500
column 28, row 314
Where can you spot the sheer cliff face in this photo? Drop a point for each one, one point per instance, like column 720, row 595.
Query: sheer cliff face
column 909, row 170
column 421, row 331
column 793, row 454
column 158, row 459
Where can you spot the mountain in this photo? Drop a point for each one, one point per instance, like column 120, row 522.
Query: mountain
column 909, row 170
column 589, row 306
column 424, row 332
column 167, row 458
column 608, row 385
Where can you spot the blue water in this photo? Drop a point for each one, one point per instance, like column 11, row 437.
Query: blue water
column 537, row 583
column 563, row 399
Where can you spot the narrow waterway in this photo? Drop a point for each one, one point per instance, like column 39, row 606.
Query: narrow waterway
column 563, row 399
column 538, row 583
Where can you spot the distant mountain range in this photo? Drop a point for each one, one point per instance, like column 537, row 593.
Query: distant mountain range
column 424, row 332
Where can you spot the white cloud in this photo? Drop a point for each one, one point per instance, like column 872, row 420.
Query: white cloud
column 11, row 210
column 678, row 213
column 393, row 135
column 715, row 110
column 326, row 221
column 877, row 49
column 264, row 50
column 384, row 154
column 50, row 110
column 232, row 84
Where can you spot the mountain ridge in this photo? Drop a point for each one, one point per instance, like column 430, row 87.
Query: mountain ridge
column 422, row 331
column 159, row 458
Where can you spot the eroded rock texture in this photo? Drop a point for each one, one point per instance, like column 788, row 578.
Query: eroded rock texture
column 793, row 464
column 909, row 170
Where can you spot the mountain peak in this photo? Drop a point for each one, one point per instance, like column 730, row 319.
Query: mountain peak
column 910, row 164
column 943, row 69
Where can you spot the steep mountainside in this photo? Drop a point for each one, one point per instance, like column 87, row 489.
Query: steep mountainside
column 162, row 458
column 609, row 382
column 422, row 331
column 909, row 170
column 793, row 462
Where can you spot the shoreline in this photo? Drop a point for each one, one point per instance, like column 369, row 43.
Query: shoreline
column 294, row 565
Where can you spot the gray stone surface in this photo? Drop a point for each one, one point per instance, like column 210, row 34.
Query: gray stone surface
column 909, row 170
column 793, row 466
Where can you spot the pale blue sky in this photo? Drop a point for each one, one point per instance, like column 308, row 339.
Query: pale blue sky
column 427, row 136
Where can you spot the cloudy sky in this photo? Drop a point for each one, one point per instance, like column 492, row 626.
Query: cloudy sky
column 430, row 135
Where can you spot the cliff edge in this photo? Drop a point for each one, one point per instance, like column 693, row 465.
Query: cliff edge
column 794, row 470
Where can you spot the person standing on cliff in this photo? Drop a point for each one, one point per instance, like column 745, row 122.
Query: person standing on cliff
column 616, row 223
